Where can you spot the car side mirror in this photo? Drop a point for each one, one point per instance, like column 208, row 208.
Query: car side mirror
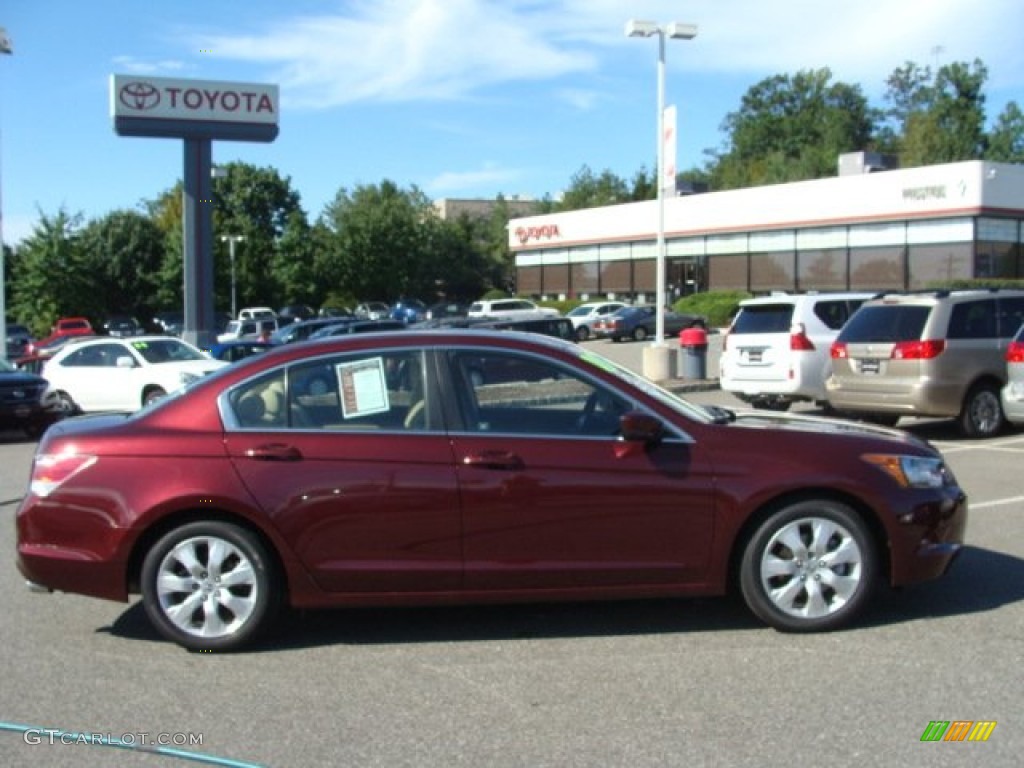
column 641, row 427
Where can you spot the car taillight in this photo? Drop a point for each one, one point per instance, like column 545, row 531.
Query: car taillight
column 798, row 341
column 918, row 350
column 51, row 470
column 1015, row 352
column 838, row 350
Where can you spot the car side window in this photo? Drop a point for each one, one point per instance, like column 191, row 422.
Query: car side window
column 357, row 392
column 832, row 313
column 973, row 320
column 1011, row 315
column 512, row 393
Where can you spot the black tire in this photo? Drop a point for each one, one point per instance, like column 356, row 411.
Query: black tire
column 66, row 405
column 222, row 617
column 982, row 412
column 582, row 333
column 639, row 333
column 882, row 419
column 810, row 567
column 152, row 395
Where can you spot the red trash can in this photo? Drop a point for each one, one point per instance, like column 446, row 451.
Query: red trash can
column 693, row 353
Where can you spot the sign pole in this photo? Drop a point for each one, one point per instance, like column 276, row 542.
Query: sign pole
column 197, row 220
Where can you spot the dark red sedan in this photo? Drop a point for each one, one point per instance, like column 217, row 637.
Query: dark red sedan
column 386, row 469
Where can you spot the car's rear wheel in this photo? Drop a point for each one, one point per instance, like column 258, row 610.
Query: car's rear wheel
column 639, row 333
column 809, row 567
column 882, row 419
column 771, row 403
column 209, row 586
column 65, row 405
column 982, row 412
column 582, row 333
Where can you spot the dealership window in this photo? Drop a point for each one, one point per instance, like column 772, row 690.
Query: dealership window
column 772, row 272
column 928, row 264
column 728, row 273
column 616, row 269
column 878, row 268
column 584, row 272
column 822, row 270
column 528, row 281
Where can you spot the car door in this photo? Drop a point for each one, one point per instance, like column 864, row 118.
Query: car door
column 95, row 382
column 348, row 457
column 552, row 499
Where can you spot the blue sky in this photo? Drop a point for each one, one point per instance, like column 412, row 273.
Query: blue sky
column 462, row 98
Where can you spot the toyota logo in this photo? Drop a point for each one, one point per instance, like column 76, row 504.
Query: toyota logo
column 141, row 96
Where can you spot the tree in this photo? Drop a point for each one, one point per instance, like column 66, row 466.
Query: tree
column 50, row 279
column 1006, row 139
column 790, row 128
column 586, row 190
column 377, row 240
column 123, row 253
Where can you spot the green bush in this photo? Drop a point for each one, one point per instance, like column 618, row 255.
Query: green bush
column 717, row 306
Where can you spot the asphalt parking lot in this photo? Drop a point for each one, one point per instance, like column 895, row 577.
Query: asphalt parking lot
column 657, row 683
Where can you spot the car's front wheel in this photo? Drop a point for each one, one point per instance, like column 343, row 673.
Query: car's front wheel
column 982, row 412
column 809, row 567
column 152, row 395
column 582, row 333
column 209, row 586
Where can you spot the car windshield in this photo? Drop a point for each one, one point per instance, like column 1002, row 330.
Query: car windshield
column 166, row 351
column 580, row 311
column 648, row 387
column 6, row 367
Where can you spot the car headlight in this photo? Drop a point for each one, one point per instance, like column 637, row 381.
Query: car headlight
column 912, row 471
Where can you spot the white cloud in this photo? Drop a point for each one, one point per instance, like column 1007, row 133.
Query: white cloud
column 414, row 50
column 470, row 182
column 133, row 65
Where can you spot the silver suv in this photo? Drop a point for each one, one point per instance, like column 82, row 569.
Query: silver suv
column 777, row 349
column 935, row 353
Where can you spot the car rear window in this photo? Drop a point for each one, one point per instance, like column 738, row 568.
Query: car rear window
column 886, row 323
column 764, row 318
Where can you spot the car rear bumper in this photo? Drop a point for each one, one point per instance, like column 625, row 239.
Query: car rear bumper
column 908, row 397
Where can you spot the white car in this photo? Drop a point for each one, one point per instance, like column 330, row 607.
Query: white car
column 509, row 309
column 253, row 313
column 777, row 349
column 584, row 316
column 1013, row 392
column 108, row 374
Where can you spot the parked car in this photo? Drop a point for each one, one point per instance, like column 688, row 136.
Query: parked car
column 123, row 326
column 239, row 349
column 23, row 402
column 408, row 311
column 371, row 310
column 638, row 323
column 397, row 479
column 293, row 313
column 933, row 353
column 443, row 309
column 776, row 351
column 18, row 340
column 107, row 374
column 251, row 329
column 509, row 309
column 584, row 316
column 358, row 326
column 65, row 327
column 253, row 313
column 1013, row 393
column 303, row 329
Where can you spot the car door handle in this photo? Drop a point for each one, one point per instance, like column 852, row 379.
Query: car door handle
column 274, row 452
column 494, row 460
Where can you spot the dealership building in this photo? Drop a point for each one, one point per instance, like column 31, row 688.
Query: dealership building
column 861, row 230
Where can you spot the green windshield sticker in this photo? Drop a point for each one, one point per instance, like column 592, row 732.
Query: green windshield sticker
column 140, row 344
column 598, row 362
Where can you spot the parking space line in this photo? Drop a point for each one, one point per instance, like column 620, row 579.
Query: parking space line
column 1008, row 445
column 997, row 502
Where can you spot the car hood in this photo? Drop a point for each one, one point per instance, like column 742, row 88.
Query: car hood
column 20, row 379
column 821, row 425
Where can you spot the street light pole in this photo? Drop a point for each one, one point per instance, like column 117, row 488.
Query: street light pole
column 656, row 360
column 5, row 48
column 231, row 240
